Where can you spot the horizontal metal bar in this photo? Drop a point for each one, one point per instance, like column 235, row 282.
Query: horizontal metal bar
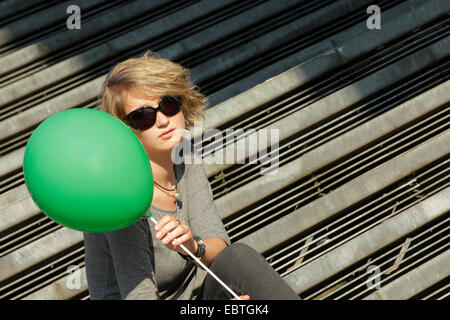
column 38, row 251
column 282, row 109
column 50, row 280
column 348, row 194
column 444, row 288
column 339, row 100
column 315, row 133
column 369, row 242
column 335, row 178
column 332, row 150
column 58, row 289
column 336, row 222
column 34, row 272
column 18, row 212
column 343, row 44
column 10, row 197
column 416, row 280
column 414, row 266
column 29, row 240
column 353, row 283
column 33, row 225
column 354, row 235
column 23, row 57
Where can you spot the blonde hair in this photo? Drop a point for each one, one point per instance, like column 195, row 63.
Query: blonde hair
column 151, row 75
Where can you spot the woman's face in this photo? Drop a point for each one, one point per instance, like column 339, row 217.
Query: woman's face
column 152, row 138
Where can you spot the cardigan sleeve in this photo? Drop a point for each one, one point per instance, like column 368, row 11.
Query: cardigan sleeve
column 204, row 219
column 119, row 264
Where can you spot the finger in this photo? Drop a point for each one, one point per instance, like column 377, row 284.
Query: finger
column 180, row 231
column 182, row 239
column 163, row 221
column 168, row 227
column 174, row 233
column 246, row 297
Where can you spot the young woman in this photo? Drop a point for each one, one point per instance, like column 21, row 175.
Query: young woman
column 155, row 98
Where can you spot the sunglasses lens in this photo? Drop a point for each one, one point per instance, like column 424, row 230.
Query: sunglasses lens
column 170, row 106
column 143, row 119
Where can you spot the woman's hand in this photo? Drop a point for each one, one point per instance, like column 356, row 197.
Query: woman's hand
column 245, row 297
column 174, row 232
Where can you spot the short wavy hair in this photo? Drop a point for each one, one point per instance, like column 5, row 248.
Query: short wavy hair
column 151, row 75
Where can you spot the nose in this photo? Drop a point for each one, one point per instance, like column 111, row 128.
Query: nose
column 161, row 119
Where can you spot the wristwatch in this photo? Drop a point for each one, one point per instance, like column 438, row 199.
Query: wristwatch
column 200, row 250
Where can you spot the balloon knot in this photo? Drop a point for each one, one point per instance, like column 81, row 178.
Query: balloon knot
column 148, row 215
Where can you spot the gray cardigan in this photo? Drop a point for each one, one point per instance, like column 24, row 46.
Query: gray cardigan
column 132, row 264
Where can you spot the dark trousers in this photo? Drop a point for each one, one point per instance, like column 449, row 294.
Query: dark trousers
column 246, row 272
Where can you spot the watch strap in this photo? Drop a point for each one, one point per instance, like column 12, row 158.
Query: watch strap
column 201, row 248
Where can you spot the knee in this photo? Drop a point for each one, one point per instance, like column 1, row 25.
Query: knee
column 242, row 250
column 238, row 253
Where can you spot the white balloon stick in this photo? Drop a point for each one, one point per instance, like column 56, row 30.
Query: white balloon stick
column 204, row 267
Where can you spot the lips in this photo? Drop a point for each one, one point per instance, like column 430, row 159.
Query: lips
column 165, row 132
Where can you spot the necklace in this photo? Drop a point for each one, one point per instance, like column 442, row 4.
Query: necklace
column 177, row 195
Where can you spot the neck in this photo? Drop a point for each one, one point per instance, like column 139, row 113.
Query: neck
column 162, row 169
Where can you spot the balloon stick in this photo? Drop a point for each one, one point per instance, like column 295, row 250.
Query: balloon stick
column 204, row 267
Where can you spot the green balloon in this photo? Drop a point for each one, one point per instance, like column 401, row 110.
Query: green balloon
column 88, row 171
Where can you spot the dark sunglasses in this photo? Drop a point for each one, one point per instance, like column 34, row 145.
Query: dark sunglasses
column 145, row 117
